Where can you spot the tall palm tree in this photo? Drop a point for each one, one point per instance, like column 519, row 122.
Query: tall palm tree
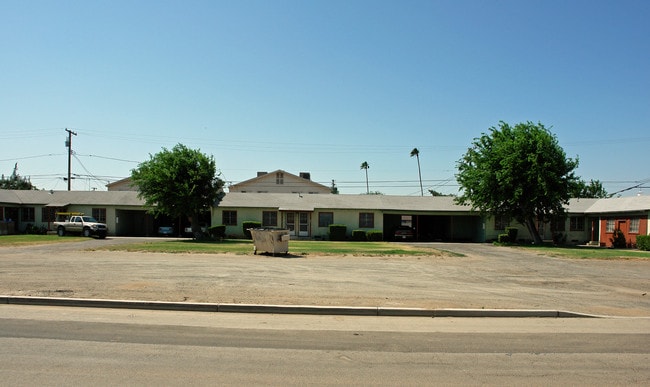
column 415, row 152
column 365, row 166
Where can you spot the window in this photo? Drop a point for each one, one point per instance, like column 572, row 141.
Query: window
column 366, row 220
column 100, row 214
column 558, row 224
column 279, row 178
column 48, row 214
column 229, row 218
column 577, row 223
column 609, row 226
column 269, row 218
column 501, row 222
column 325, row 219
column 634, row 225
column 27, row 214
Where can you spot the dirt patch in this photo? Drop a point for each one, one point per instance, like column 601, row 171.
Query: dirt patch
column 485, row 276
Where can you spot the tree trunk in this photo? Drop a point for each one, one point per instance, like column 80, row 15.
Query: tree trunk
column 532, row 230
column 196, row 226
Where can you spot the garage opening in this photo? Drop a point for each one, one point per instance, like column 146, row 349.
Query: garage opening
column 436, row 228
column 133, row 223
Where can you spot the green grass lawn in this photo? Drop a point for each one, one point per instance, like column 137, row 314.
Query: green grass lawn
column 21, row 240
column 588, row 252
column 241, row 246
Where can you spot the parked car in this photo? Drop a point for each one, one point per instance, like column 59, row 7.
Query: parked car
column 404, row 233
column 76, row 222
column 188, row 229
column 166, row 231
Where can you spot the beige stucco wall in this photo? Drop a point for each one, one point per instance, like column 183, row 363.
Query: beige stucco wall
column 348, row 217
column 544, row 230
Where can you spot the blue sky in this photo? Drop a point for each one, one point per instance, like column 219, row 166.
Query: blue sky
column 320, row 86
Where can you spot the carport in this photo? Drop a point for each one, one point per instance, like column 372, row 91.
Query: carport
column 134, row 223
column 429, row 227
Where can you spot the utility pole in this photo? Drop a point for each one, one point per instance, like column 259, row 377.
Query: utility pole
column 68, row 144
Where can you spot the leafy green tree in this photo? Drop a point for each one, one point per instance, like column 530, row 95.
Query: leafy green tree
column 519, row 172
column 179, row 182
column 594, row 190
column 15, row 181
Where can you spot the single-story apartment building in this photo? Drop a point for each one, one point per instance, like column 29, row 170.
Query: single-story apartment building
column 433, row 218
column 122, row 211
column 628, row 214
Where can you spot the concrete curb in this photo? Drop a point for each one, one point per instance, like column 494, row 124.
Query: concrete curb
column 288, row 309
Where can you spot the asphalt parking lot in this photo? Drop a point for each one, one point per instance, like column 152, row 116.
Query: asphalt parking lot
column 486, row 276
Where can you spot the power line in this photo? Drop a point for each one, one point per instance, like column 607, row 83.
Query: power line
column 33, row 157
column 89, row 173
column 109, row 158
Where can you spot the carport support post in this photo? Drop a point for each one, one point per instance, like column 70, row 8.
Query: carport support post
column 451, row 228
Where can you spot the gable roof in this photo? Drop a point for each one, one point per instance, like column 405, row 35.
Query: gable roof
column 580, row 205
column 306, row 202
column 623, row 204
column 296, row 202
column 64, row 198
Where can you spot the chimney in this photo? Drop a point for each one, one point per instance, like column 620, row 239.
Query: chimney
column 305, row 175
column 261, row 174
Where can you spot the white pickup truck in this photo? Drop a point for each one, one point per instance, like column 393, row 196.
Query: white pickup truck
column 80, row 224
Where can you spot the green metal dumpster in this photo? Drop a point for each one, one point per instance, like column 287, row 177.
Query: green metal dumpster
column 270, row 240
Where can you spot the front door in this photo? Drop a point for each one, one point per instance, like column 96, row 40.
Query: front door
column 303, row 227
column 291, row 223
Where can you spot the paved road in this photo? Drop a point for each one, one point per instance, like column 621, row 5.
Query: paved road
column 76, row 346
column 486, row 276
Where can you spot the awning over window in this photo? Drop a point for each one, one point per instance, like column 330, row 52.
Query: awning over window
column 57, row 205
column 297, row 209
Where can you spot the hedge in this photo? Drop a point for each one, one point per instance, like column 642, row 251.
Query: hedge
column 375, row 235
column 337, row 232
column 250, row 224
column 359, row 235
column 217, row 231
column 643, row 242
column 512, row 233
column 503, row 238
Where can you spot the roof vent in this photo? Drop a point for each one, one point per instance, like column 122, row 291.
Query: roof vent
column 305, row 175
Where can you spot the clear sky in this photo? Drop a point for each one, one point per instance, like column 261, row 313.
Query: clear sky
column 320, row 86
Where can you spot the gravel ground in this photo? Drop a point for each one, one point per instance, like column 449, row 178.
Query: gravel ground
column 486, row 276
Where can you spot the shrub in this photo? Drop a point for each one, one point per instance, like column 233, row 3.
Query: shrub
column 503, row 238
column 618, row 241
column 559, row 238
column 512, row 233
column 250, row 224
column 217, row 231
column 643, row 242
column 359, row 235
column 375, row 235
column 35, row 230
column 337, row 232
